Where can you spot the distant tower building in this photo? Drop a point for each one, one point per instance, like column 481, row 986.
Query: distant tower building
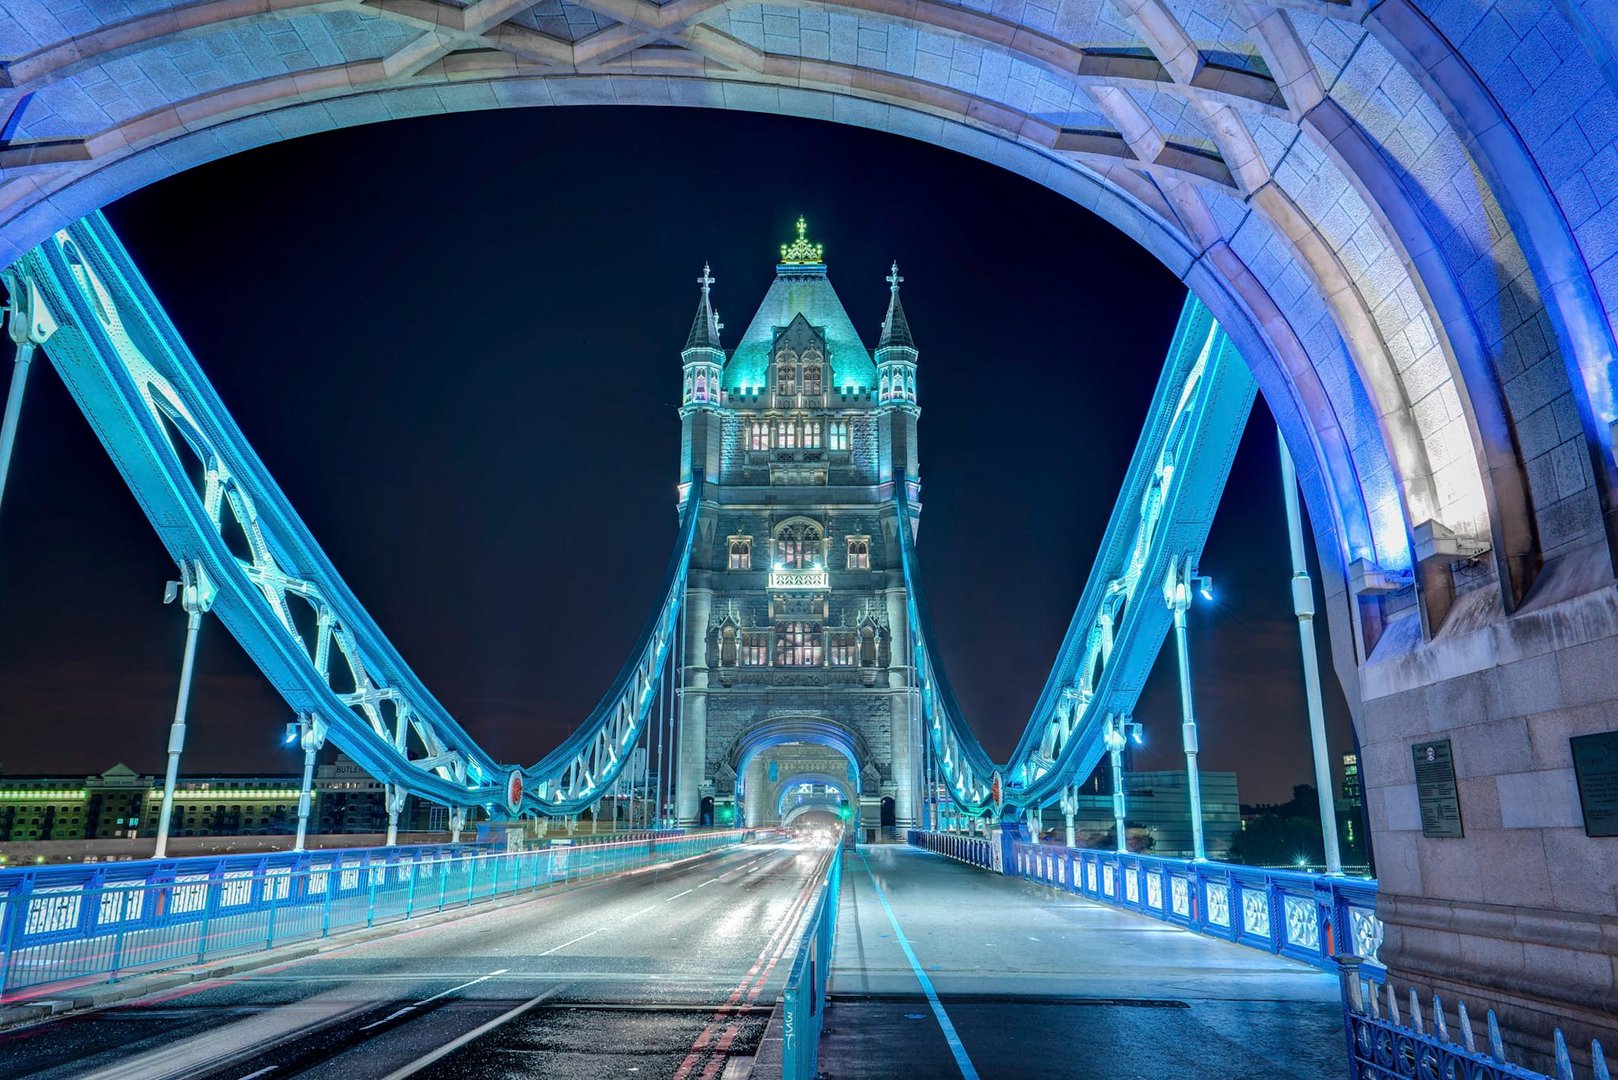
column 797, row 664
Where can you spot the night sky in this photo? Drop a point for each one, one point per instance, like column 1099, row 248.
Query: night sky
column 455, row 343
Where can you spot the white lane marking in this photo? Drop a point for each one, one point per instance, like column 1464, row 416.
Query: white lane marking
column 476, row 1033
column 707, row 883
column 261, row 1072
column 418, row 1004
column 676, row 896
column 642, row 911
column 575, row 941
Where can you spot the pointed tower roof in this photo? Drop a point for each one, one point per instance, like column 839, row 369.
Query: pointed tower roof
column 706, row 326
column 801, row 288
column 895, row 327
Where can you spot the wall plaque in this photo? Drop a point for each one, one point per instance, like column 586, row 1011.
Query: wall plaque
column 1595, row 763
column 1435, row 789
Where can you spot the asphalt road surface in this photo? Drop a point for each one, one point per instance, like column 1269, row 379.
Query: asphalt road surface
column 664, row 973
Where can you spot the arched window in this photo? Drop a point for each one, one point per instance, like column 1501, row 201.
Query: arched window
column 786, row 372
column 702, row 387
column 741, row 553
column 758, row 435
column 727, row 645
column 798, row 544
column 883, row 395
column 859, row 553
column 811, row 380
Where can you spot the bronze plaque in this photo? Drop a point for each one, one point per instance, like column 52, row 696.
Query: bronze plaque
column 1595, row 763
column 1435, row 789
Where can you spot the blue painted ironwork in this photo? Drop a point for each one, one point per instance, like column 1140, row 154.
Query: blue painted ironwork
column 803, row 1002
column 1158, row 527
column 972, row 850
column 1384, row 1045
column 1308, row 917
column 101, row 923
column 224, row 519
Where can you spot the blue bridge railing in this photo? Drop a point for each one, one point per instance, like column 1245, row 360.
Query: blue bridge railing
column 803, row 1003
column 1384, row 1044
column 93, row 924
column 1309, row 917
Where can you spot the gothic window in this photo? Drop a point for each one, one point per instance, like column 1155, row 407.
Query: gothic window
column 786, row 436
column 883, row 395
column 797, row 644
column 811, row 380
column 797, row 545
column 702, row 386
column 786, row 372
column 859, row 552
column 741, row 553
column 758, row 435
column 842, row 648
column 755, row 649
column 727, row 646
column 837, row 435
column 811, row 434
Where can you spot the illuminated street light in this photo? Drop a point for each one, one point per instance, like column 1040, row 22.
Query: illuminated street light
column 1119, row 732
column 1177, row 594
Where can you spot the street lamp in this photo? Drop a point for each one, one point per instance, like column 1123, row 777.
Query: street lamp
column 1177, row 593
column 1118, row 733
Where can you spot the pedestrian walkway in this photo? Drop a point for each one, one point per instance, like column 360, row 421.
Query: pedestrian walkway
column 942, row 970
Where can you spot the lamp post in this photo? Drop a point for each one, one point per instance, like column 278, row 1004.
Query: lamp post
column 310, row 731
column 195, row 593
column 1177, row 593
column 1117, row 733
column 1303, row 604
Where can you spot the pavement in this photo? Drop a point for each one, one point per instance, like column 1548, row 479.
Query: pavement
column 1029, row 982
column 666, row 973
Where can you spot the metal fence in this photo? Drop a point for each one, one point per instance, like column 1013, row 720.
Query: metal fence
column 1384, row 1045
column 142, row 917
column 803, row 1004
column 1309, row 917
column 972, row 850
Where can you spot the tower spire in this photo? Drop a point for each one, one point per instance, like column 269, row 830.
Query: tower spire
column 706, row 326
column 895, row 327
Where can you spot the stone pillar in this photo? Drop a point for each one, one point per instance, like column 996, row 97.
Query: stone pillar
column 693, row 749
column 1517, row 912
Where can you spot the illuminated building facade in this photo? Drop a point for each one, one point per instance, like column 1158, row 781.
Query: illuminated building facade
column 121, row 804
column 796, row 665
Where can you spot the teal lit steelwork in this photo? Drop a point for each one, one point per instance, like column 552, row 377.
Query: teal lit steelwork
column 226, row 522
column 1157, row 531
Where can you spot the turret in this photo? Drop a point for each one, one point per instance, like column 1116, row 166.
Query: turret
column 896, row 352
column 896, row 393
column 702, row 356
column 703, row 362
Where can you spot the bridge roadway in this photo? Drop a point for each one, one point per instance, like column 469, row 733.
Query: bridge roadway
column 663, row 973
column 1032, row 982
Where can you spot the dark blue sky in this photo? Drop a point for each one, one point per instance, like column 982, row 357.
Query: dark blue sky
column 455, row 342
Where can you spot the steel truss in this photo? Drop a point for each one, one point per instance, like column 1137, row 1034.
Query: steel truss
column 1153, row 542
column 247, row 556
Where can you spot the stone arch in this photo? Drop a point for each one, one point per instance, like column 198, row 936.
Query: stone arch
column 815, row 730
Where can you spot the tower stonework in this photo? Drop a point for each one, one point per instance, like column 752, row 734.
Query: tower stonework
column 797, row 664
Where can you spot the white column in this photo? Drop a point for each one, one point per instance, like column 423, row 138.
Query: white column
column 195, row 593
column 457, row 822
column 1303, row 604
column 8, row 428
column 1179, row 600
column 312, row 733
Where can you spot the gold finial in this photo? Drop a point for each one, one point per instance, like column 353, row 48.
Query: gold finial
column 801, row 252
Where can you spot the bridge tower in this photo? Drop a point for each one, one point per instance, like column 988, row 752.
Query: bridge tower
column 797, row 669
